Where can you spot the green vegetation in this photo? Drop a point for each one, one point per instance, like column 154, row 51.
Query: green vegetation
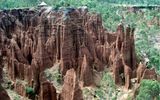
column 149, row 2
column 109, row 92
column 107, row 87
column 16, row 98
column 149, row 90
column 105, row 91
column 31, row 3
column 16, row 3
column 53, row 75
column 145, row 36
column 30, row 90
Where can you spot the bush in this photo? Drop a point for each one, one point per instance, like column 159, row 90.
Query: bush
column 149, row 90
column 17, row 98
column 107, row 88
column 30, row 90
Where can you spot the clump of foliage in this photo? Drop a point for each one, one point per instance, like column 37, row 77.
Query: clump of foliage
column 4, row 4
column 54, row 76
column 149, row 90
column 30, row 90
column 106, row 89
column 16, row 98
column 31, row 93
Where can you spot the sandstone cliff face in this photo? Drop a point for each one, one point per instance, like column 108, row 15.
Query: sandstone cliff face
column 71, row 89
column 48, row 91
column 145, row 73
column 3, row 93
column 34, row 40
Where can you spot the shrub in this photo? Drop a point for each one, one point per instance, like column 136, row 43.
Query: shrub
column 107, row 89
column 16, row 98
column 149, row 90
column 30, row 90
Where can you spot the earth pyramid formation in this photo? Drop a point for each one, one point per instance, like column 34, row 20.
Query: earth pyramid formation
column 34, row 40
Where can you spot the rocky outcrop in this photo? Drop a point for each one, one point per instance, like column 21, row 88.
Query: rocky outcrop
column 54, row 36
column 127, row 75
column 145, row 73
column 71, row 89
column 150, row 74
column 48, row 91
column 140, row 70
column 34, row 40
column 20, row 88
column 3, row 93
column 86, row 73
column 122, row 56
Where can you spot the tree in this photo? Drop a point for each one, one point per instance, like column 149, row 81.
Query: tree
column 149, row 90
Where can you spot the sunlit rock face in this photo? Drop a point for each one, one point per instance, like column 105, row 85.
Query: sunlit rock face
column 71, row 89
column 145, row 73
column 33, row 40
